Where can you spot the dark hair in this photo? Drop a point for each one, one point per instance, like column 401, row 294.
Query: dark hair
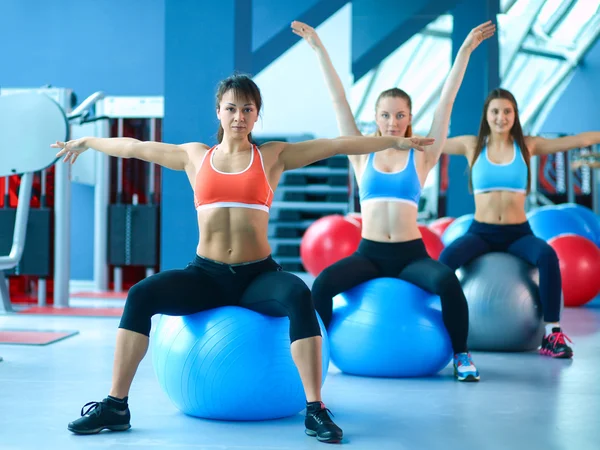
column 516, row 132
column 242, row 86
column 395, row 93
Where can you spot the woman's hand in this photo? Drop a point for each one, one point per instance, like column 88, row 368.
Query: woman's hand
column 478, row 35
column 418, row 143
column 72, row 149
column 307, row 33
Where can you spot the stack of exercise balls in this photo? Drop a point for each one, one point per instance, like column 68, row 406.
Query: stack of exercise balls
column 573, row 231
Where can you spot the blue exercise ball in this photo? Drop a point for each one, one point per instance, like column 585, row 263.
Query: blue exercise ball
column 457, row 228
column 388, row 327
column 548, row 222
column 230, row 363
column 591, row 219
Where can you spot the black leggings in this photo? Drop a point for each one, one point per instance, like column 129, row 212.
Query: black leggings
column 518, row 240
column 205, row 284
column 408, row 261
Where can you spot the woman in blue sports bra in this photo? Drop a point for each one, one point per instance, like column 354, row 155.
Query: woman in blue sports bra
column 390, row 185
column 500, row 178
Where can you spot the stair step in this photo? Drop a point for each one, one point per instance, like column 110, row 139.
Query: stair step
column 294, row 225
column 310, row 206
column 314, row 188
column 288, row 259
column 317, row 170
column 285, row 240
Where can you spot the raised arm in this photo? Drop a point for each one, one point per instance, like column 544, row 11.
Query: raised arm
column 167, row 155
column 543, row 146
column 343, row 112
column 300, row 154
column 441, row 117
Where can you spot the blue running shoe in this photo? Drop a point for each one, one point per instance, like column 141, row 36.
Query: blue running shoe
column 464, row 369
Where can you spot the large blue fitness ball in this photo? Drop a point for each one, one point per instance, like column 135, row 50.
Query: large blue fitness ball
column 548, row 222
column 388, row 327
column 591, row 219
column 229, row 363
column 457, row 229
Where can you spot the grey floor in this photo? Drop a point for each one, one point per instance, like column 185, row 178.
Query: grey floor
column 524, row 401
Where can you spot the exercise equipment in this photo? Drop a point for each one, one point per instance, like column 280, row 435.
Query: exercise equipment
column 587, row 215
column 326, row 241
column 457, row 228
column 229, row 363
column 433, row 243
column 440, row 225
column 505, row 313
column 388, row 327
column 548, row 222
column 23, row 153
column 579, row 260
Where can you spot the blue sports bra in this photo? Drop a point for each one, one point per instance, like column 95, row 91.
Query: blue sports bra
column 403, row 186
column 489, row 176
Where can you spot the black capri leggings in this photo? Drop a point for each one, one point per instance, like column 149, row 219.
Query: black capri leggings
column 204, row 284
column 408, row 261
column 520, row 241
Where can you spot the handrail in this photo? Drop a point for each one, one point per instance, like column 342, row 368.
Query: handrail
column 82, row 111
column 18, row 245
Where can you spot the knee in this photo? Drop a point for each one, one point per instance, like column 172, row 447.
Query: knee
column 138, row 309
column 139, row 295
column 322, row 285
column 448, row 285
column 298, row 295
column 301, row 310
column 447, row 257
column 548, row 257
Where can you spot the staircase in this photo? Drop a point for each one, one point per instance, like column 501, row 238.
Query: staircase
column 303, row 196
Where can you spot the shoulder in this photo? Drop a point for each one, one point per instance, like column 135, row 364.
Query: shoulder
column 273, row 146
column 195, row 152
column 194, row 147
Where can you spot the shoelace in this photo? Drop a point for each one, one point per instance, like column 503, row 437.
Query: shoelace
column 320, row 412
column 559, row 338
column 94, row 407
column 464, row 360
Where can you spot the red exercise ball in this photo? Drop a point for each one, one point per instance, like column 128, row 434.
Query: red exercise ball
column 438, row 226
column 355, row 218
column 433, row 243
column 579, row 260
column 326, row 241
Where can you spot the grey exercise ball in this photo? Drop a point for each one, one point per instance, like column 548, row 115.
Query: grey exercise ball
column 505, row 313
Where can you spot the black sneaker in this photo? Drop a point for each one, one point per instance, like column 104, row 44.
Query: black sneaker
column 555, row 345
column 101, row 416
column 319, row 424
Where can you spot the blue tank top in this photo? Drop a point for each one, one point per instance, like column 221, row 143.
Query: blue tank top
column 489, row 176
column 402, row 186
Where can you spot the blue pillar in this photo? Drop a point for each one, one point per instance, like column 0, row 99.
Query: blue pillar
column 205, row 41
column 483, row 75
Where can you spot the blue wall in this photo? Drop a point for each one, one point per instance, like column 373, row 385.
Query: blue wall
column 270, row 17
column 87, row 45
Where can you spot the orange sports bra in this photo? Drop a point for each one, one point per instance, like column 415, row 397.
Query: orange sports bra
column 249, row 188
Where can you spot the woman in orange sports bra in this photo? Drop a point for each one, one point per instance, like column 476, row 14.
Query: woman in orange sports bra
column 233, row 186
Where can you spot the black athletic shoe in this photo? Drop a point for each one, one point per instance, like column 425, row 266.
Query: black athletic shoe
column 101, row 416
column 555, row 345
column 319, row 424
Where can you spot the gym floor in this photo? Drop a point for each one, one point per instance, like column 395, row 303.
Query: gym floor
column 524, row 401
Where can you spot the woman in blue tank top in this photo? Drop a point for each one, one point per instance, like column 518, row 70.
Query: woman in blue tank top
column 390, row 185
column 500, row 179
